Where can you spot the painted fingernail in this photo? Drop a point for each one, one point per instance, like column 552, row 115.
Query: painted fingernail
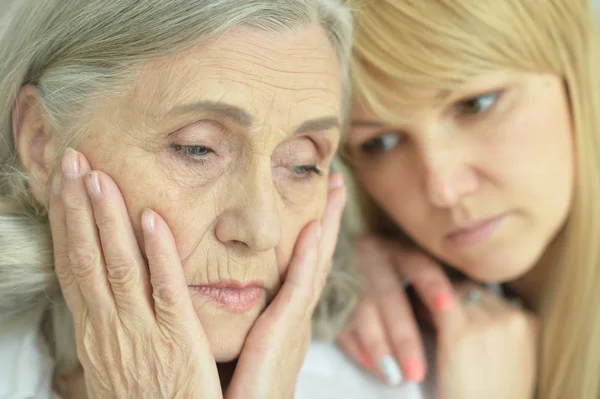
column 414, row 369
column 148, row 221
column 92, row 183
column 70, row 164
column 337, row 180
column 443, row 302
column 366, row 361
column 391, row 371
column 56, row 183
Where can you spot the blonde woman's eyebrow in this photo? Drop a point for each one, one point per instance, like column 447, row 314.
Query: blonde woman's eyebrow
column 364, row 123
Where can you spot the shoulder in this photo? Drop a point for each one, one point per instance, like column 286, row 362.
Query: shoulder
column 26, row 367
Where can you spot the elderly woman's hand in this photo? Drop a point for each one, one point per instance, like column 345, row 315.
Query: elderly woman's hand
column 486, row 346
column 277, row 343
column 137, row 332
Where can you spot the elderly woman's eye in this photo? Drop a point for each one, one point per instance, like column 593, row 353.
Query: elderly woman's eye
column 479, row 104
column 192, row 151
column 307, row 170
column 381, row 144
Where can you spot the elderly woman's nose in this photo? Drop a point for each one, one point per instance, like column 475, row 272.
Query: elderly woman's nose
column 253, row 219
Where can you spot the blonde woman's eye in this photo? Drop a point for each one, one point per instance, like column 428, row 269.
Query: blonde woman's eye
column 381, row 144
column 478, row 105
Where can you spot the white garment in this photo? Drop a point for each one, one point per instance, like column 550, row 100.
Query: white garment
column 26, row 372
column 26, row 367
column 328, row 374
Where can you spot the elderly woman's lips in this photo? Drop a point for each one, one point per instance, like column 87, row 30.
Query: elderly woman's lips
column 232, row 296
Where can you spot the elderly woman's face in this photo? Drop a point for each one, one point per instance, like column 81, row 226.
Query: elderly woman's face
column 231, row 144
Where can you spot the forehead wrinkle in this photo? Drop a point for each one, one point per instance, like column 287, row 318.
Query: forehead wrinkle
column 275, row 86
column 267, row 64
column 167, row 89
column 169, row 78
column 304, row 41
column 160, row 84
column 266, row 70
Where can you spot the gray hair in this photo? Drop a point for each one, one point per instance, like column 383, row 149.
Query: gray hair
column 74, row 52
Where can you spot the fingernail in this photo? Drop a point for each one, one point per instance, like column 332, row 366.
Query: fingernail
column 92, row 183
column 366, row 361
column 414, row 369
column 391, row 371
column 337, row 180
column 56, row 183
column 70, row 164
column 148, row 221
column 443, row 302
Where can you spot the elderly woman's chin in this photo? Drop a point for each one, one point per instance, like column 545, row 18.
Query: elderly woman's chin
column 226, row 327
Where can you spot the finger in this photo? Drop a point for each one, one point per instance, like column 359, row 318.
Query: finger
column 331, row 220
column 287, row 320
column 83, row 244
column 432, row 285
column 296, row 296
column 62, row 266
column 371, row 334
column 403, row 333
column 395, row 311
column 348, row 341
column 311, row 260
column 175, row 315
column 125, row 266
column 172, row 302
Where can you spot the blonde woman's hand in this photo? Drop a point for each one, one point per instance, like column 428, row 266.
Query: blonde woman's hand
column 137, row 332
column 384, row 337
column 485, row 347
column 277, row 343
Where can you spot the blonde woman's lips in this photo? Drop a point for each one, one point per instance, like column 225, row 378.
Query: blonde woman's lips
column 232, row 296
column 477, row 232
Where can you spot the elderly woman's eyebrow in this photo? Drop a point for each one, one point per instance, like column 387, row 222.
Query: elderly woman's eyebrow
column 228, row 111
column 317, row 125
column 243, row 118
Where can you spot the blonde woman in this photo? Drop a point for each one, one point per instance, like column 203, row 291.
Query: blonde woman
column 474, row 142
column 167, row 218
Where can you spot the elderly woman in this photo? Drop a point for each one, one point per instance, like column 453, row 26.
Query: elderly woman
column 168, row 162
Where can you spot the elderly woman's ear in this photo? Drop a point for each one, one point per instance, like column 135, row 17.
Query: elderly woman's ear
column 34, row 138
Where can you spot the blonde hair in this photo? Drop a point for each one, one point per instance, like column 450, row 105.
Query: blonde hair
column 77, row 51
column 440, row 44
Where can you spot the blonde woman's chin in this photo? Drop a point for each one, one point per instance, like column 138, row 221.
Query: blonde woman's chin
column 498, row 265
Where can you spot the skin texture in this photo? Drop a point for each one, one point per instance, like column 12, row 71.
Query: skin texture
column 449, row 164
column 265, row 108
column 237, row 215
column 137, row 331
